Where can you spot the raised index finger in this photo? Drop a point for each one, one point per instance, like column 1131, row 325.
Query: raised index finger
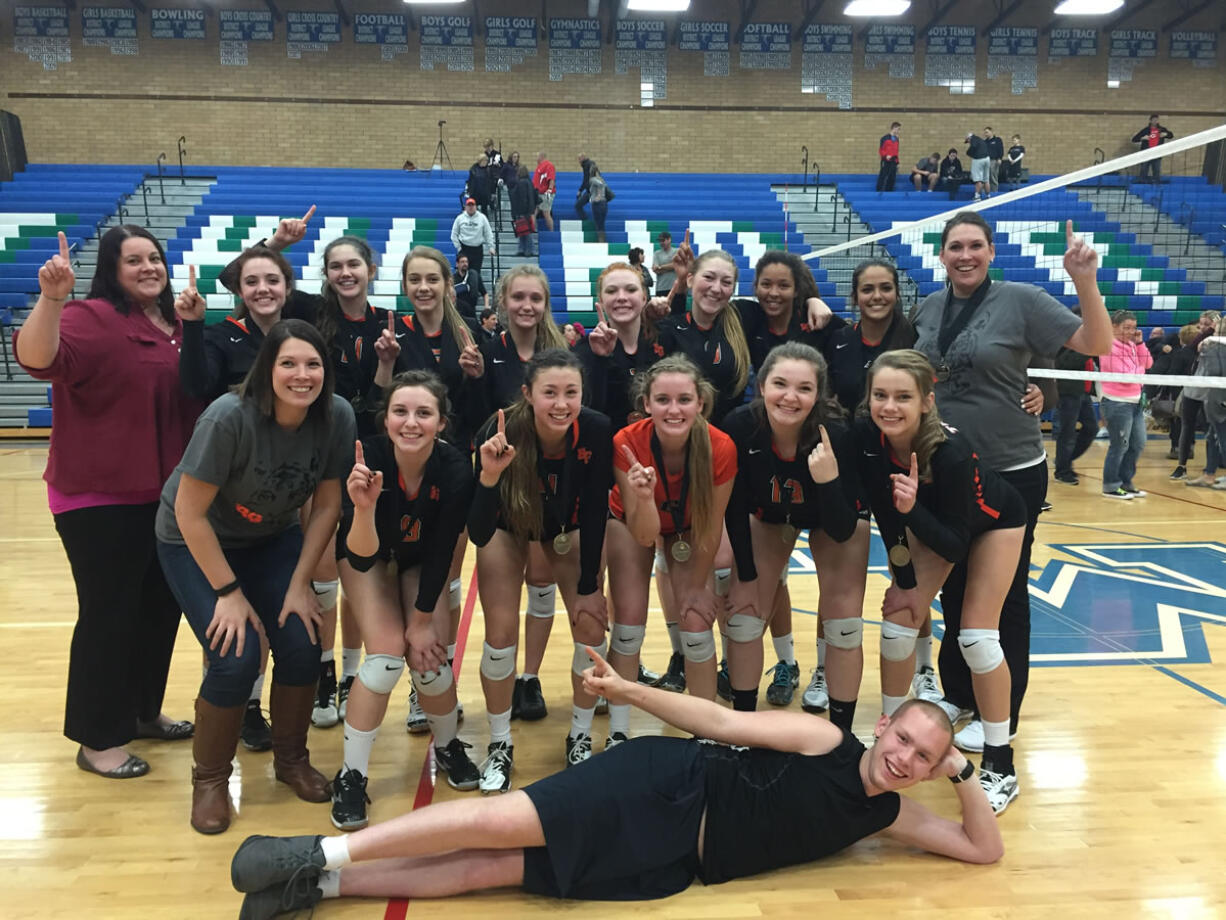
column 1069, row 239
column 629, row 452
column 359, row 455
column 914, row 466
column 600, row 313
column 63, row 245
column 825, row 436
column 191, row 275
column 391, row 322
column 309, row 214
column 502, row 422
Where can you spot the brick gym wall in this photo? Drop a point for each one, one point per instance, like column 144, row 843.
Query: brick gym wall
column 347, row 107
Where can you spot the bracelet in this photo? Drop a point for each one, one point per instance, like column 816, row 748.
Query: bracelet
column 966, row 773
column 226, row 589
column 53, row 299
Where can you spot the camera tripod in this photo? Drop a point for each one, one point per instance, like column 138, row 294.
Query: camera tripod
column 440, row 150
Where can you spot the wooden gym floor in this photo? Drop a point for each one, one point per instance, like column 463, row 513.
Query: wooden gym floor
column 1122, row 753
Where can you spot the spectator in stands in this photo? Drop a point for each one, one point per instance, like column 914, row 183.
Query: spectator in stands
column 524, row 201
column 981, row 164
column 493, row 167
column 569, row 333
column 951, row 171
column 471, row 235
column 492, row 154
column 489, row 325
column 1012, row 166
column 600, row 195
column 635, row 257
column 1074, row 407
column 120, row 425
column 927, row 170
column 1121, row 407
column 1190, row 415
column 887, row 153
column 583, row 195
column 1152, row 135
column 478, row 185
column 469, row 288
column 1156, row 342
column 508, row 172
column 996, row 153
column 544, row 180
column 662, row 264
column 1177, row 361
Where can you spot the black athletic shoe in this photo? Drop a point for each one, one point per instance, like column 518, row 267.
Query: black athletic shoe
column 256, row 732
column 723, row 682
column 673, row 679
column 648, row 677
column 349, row 800
column 324, row 715
column 784, row 684
column 532, row 701
column 299, row 893
column 261, row 861
column 453, row 760
column 342, row 697
column 517, row 697
column 1067, row 478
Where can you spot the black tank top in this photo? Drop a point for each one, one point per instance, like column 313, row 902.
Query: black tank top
column 767, row 809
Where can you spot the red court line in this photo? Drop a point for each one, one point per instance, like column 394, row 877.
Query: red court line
column 398, row 908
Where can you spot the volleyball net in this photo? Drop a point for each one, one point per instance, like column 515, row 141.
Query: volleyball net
column 1156, row 217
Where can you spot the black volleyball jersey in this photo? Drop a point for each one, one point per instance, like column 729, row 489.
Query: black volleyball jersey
column 609, row 381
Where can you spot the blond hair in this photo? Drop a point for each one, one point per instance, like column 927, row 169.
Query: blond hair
column 548, row 335
column 451, row 316
column 730, row 320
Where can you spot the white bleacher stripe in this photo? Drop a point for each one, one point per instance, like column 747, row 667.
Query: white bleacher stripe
column 578, row 289
column 1128, row 274
column 1166, row 302
column 17, row 217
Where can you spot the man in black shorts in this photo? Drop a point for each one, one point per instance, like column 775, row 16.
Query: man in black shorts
column 644, row 819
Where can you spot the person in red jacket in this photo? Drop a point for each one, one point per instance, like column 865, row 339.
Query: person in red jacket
column 887, row 150
column 1152, row 135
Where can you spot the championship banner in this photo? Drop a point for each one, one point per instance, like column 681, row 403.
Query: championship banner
column 712, row 38
column 390, row 31
column 1069, row 43
column 1015, row 52
column 1129, row 48
column 176, row 23
column 950, row 58
column 110, row 27
column 893, row 46
column 574, row 47
column 766, row 46
column 310, row 31
column 1198, row 47
column 41, row 34
column 643, row 44
column 826, row 62
column 447, row 40
column 236, row 29
column 508, row 41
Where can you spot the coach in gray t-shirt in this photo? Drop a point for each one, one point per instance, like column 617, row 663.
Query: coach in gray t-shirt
column 980, row 336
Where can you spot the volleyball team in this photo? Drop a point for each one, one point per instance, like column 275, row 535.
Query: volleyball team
column 695, row 437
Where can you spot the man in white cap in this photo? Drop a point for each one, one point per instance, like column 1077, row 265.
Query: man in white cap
column 471, row 235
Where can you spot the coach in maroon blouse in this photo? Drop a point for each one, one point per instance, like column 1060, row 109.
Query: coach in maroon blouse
column 120, row 425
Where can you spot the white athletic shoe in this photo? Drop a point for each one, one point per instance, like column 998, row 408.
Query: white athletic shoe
column 957, row 714
column 816, row 697
column 924, row 685
column 970, row 738
column 416, row 723
column 496, row 768
column 1001, row 789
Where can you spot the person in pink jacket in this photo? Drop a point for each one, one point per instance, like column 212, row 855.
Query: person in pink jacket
column 1121, row 407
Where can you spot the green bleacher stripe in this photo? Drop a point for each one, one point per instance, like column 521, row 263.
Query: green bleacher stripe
column 1189, row 302
column 1052, row 249
column 1116, row 302
column 28, row 230
column 359, row 223
column 209, row 287
column 229, row 245
column 1168, row 287
column 16, row 242
column 359, row 232
column 426, row 225
column 6, row 256
column 619, row 249
column 743, row 226
column 773, row 240
column 1153, row 274
column 588, row 319
column 1142, row 317
column 1036, row 238
column 656, row 227
column 64, row 219
column 243, row 221
column 1104, row 287
column 1119, row 249
column 934, row 238
column 589, row 236
column 996, row 274
column 1113, row 261
column 211, row 272
column 403, row 304
column 1183, row 317
column 212, row 317
column 237, row 233
column 593, row 274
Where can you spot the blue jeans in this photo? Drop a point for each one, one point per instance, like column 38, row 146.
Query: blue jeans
column 1126, row 430
column 1071, row 443
column 1213, row 447
column 264, row 573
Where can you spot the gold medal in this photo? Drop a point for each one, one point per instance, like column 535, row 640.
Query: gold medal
column 681, row 551
column 561, row 544
column 900, row 555
column 787, row 533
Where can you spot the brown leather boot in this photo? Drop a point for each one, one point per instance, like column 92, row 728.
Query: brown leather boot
column 290, row 709
column 213, row 752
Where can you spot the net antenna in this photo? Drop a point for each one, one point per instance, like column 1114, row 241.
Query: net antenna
column 440, row 149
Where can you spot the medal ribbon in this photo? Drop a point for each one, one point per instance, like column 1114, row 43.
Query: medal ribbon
column 675, row 511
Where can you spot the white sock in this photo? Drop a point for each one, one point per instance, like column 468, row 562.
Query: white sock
column 785, row 648
column 821, row 653
column 326, row 655
column 451, row 652
column 358, row 745
column 619, row 718
column 500, row 726
column 674, row 636
column 581, row 720
column 330, row 883
column 891, row 703
column 444, row 727
column 923, row 652
column 351, row 660
column 527, row 676
column 996, row 733
column 336, row 852
column 257, row 689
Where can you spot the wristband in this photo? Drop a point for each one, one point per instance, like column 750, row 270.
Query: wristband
column 226, row 589
column 966, row 773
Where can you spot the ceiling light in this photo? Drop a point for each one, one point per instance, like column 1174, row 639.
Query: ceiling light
column 876, row 7
column 658, row 6
column 1087, row 7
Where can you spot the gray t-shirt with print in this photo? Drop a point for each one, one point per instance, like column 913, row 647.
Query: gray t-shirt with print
column 987, row 364
column 264, row 473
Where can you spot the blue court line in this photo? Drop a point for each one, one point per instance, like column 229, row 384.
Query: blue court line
column 1216, row 697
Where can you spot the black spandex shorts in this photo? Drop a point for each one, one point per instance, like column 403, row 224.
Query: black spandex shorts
column 622, row 826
